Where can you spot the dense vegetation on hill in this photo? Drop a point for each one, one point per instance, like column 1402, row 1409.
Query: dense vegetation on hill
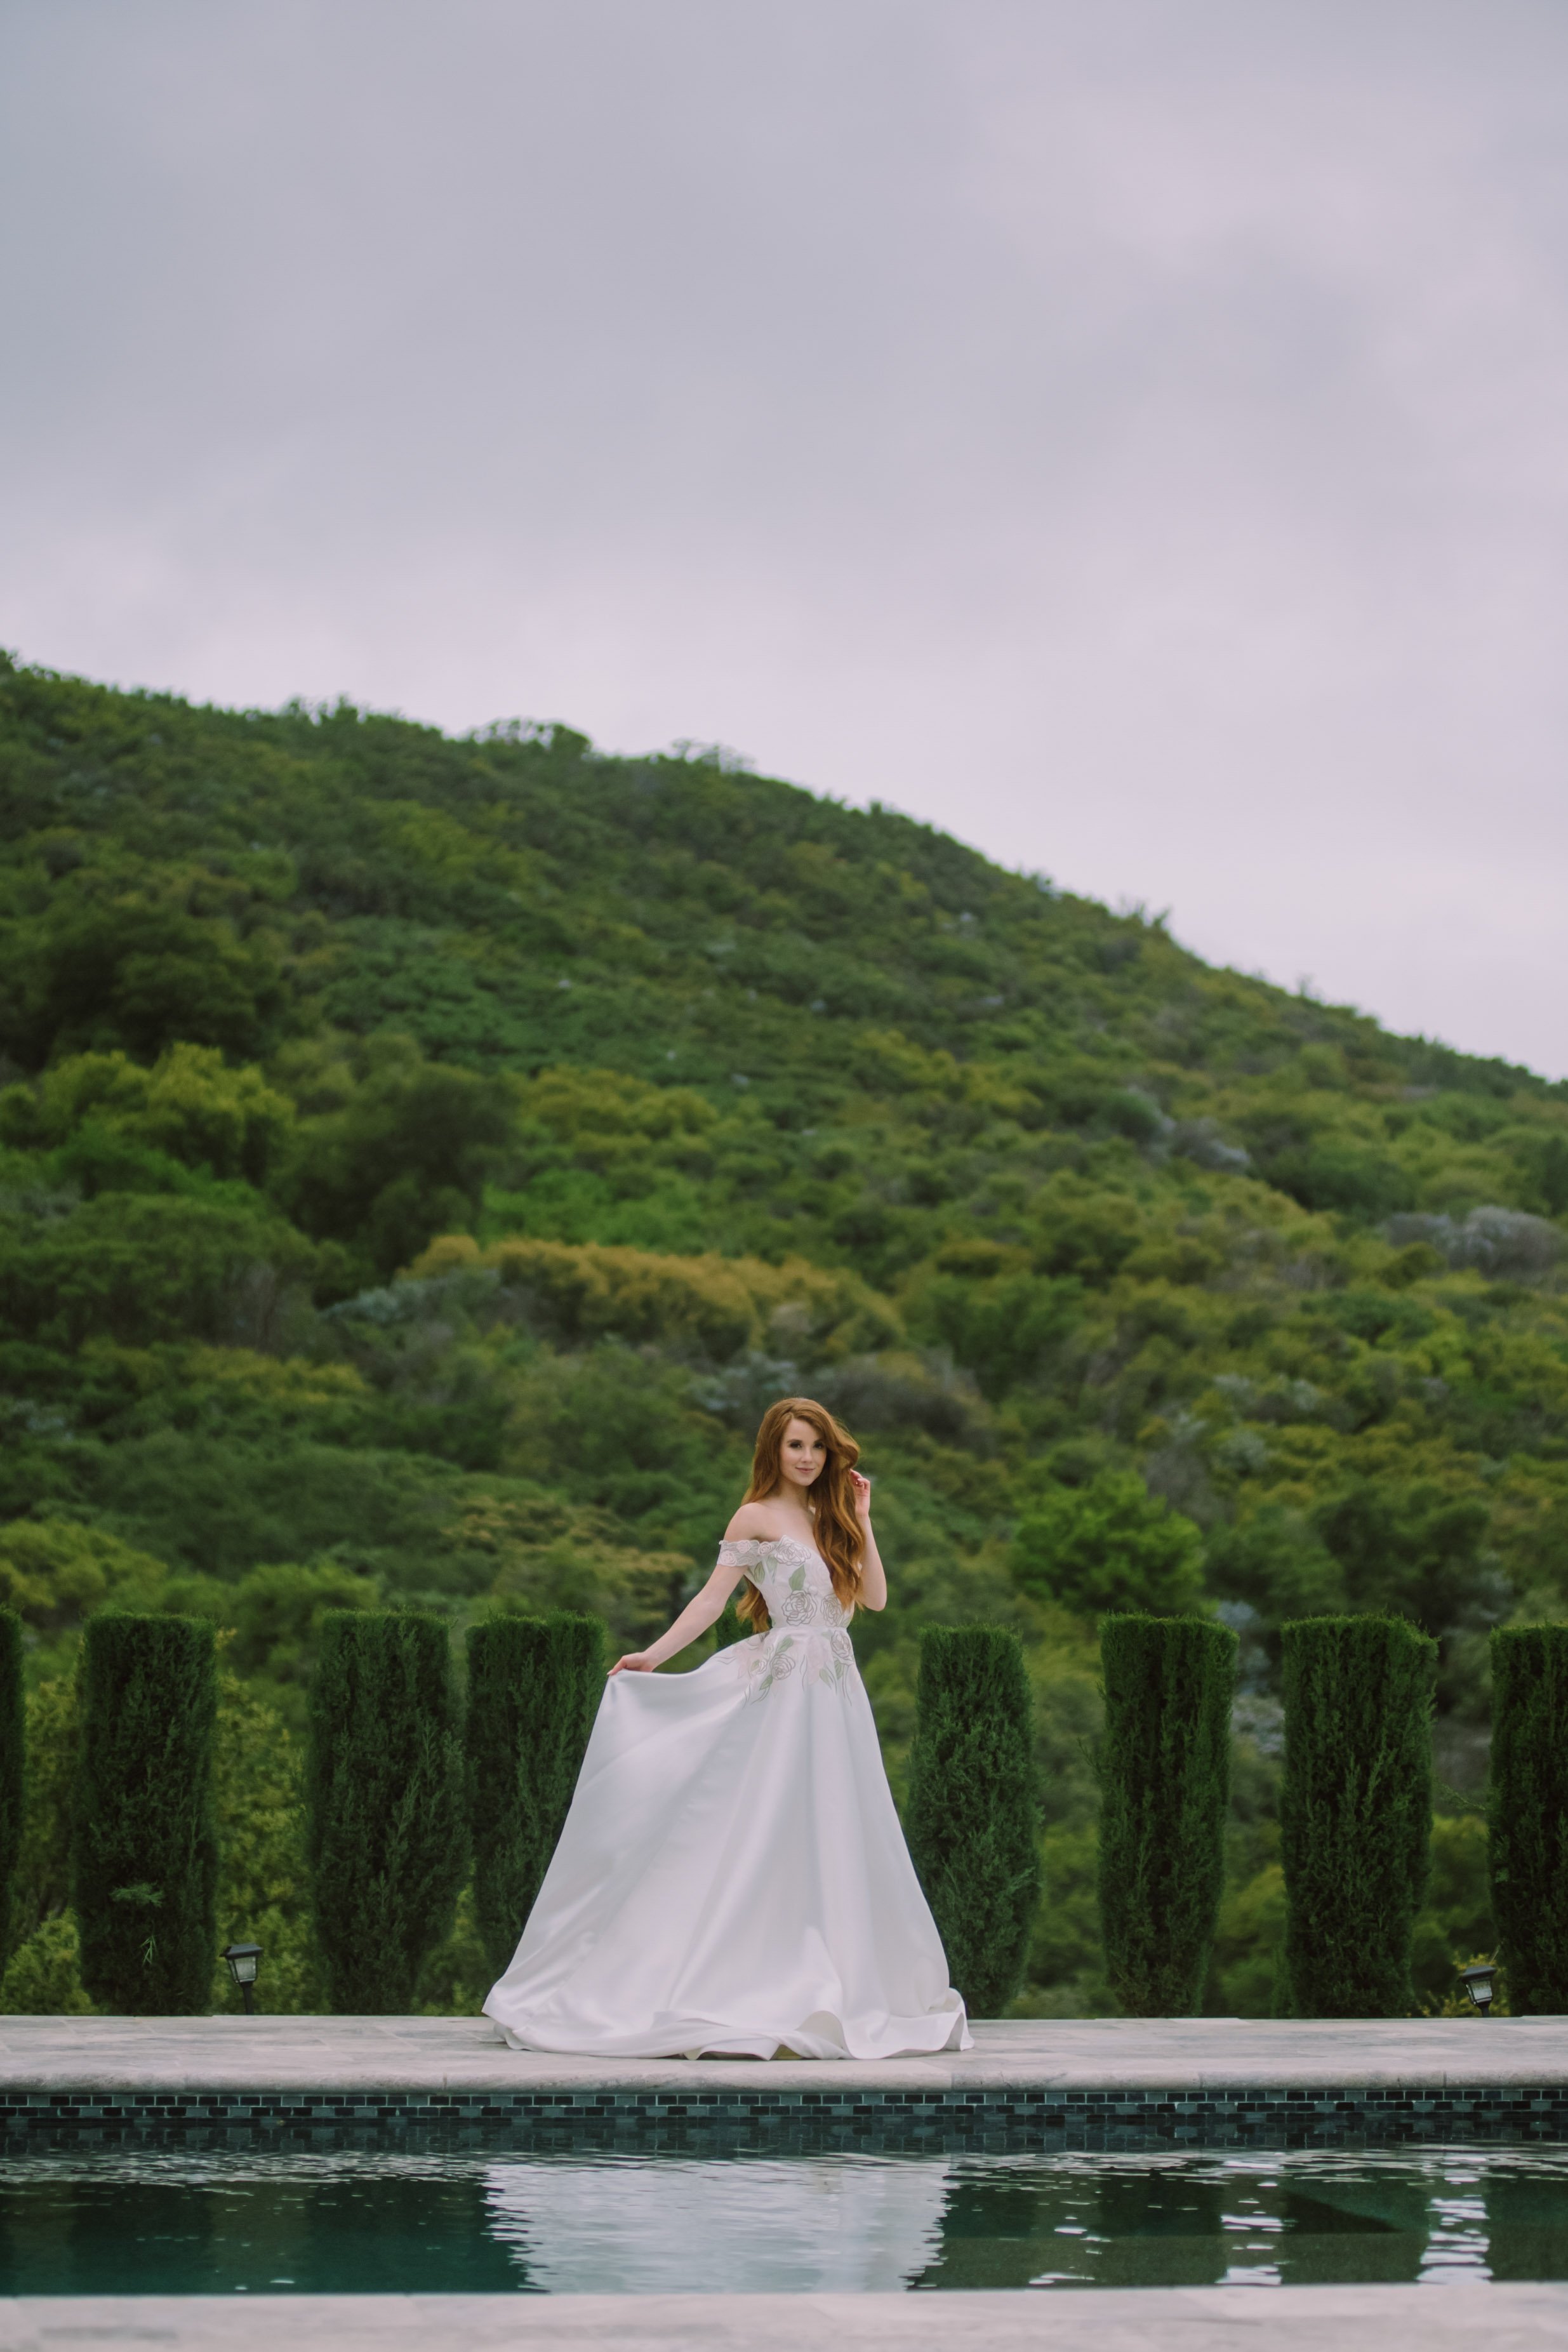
column 421, row 1160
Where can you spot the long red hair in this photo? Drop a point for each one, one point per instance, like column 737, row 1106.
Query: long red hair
column 830, row 1498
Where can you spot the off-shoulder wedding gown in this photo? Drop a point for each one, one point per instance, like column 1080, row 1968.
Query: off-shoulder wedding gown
column 731, row 1877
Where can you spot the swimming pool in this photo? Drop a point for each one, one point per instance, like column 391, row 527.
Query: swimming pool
column 168, row 2220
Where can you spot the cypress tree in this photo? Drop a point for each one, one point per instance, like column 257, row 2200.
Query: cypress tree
column 13, row 1770
column 1165, row 1778
column 973, row 1814
column 1355, row 1810
column 1528, row 1814
column 535, row 1683
column 384, row 1810
column 146, row 1853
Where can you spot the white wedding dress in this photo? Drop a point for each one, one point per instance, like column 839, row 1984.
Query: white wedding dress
column 731, row 1877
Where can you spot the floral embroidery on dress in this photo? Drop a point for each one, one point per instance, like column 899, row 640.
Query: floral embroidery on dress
column 806, row 1634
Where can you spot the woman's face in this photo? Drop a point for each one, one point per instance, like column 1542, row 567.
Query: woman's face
column 801, row 1454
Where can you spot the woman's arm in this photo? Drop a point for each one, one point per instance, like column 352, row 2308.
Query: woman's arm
column 873, row 1575
column 705, row 1610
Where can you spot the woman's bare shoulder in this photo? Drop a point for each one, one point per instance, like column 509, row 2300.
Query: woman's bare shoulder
column 752, row 1523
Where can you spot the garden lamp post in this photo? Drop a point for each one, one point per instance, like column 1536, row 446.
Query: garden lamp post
column 1480, row 1982
column 244, row 1960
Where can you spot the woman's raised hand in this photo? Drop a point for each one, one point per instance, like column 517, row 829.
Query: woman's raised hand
column 636, row 1661
column 862, row 1497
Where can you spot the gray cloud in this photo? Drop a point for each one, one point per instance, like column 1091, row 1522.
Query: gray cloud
column 1131, row 436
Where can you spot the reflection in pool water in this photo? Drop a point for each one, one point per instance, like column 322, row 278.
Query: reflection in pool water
column 356, row 2222
column 849, row 2224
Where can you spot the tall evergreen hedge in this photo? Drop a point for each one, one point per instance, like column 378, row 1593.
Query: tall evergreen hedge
column 386, row 1837
column 146, row 1850
column 973, row 1814
column 1355, row 1810
column 535, row 1683
column 1528, row 1809
column 1165, row 1778
column 13, row 1770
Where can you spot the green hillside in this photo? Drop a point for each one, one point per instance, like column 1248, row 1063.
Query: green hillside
column 420, row 1160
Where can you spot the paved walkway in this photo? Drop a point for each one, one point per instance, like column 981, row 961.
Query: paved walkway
column 1175, row 2319
column 436, row 2053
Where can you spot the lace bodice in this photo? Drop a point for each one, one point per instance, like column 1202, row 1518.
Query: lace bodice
column 807, row 1631
column 791, row 1577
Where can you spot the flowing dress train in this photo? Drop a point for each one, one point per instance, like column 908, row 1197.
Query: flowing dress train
column 731, row 1877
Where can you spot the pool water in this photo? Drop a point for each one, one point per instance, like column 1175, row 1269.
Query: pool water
column 360, row 2223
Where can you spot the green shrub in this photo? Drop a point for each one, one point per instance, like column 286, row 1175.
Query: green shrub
column 108, row 971
column 193, row 1106
column 1247, row 1975
column 972, row 1815
column 1456, row 1921
column 1002, row 1330
column 145, row 1852
column 43, row 1975
column 257, row 1771
column 1355, row 1810
column 13, row 1771
column 1108, row 1545
column 1528, row 1813
column 1165, row 1774
column 1407, row 1547
column 55, row 1571
column 278, row 1611
column 42, row 1887
column 141, row 1270
column 1066, row 1972
column 385, row 1835
column 1276, row 1562
column 535, row 1683
column 457, row 1975
column 404, row 1158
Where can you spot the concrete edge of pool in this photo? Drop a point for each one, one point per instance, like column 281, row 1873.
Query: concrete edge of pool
column 46, row 2055
column 1109, row 2319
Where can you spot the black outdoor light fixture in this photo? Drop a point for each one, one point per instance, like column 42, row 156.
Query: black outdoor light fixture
column 1480, row 1982
column 244, row 1960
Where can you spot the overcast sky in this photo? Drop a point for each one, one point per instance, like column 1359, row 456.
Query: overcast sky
column 1132, row 434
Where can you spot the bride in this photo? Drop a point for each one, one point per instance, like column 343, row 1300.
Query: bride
column 732, row 1879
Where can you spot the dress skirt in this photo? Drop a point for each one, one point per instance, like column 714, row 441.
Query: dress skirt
column 732, row 1878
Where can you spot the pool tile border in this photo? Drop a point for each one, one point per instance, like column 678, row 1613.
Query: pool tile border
column 895, row 2119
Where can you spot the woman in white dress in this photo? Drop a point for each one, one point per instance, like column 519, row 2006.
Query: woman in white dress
column 732, row 1879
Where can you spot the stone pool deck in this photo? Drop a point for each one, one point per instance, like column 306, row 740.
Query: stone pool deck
column 446, row 2055
column 312, row 2067
column 1048, row 2085
column 1174, row 2319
